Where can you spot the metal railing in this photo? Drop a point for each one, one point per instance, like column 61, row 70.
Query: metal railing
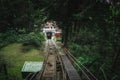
column 89, row 75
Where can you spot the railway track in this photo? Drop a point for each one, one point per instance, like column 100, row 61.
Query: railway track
column 60, row 65
column 49, row 72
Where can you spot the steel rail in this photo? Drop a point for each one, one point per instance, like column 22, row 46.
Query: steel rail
column 46, row 64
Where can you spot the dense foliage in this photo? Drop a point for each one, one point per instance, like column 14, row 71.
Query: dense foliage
column 20, row 14
column 11, row 36
column 91, row 29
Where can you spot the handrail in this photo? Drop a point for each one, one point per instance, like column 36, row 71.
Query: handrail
column 76, row 62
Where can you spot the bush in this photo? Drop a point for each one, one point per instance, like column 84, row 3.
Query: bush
column 78, row 50
column 11, row 36
column 32, row 39
column 7, row 37
column 86, row 36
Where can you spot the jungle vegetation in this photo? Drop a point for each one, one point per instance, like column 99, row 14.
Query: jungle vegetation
column 91, row 29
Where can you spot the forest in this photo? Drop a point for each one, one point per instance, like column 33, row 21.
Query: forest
column 90, row 30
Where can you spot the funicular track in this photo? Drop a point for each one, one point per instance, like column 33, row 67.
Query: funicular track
column 57, row 65
column 72, row 70
column 69, row 71
column 61, row 65
column 49, row 72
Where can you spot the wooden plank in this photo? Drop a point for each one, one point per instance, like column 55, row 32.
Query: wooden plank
column 71, row 71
